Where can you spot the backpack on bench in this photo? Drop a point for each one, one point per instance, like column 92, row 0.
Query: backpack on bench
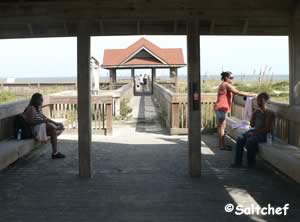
column 20, row 124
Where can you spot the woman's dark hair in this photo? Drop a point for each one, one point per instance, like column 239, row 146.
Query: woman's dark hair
column 225, row 75
column 35, row 98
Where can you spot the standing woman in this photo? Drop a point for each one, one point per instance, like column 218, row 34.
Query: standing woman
column 226, row 91
column 42, row 127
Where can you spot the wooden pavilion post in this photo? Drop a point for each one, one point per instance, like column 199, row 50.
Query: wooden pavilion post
column 84, row 100
column 194, row 130
column 294, row 57
column 294, row 50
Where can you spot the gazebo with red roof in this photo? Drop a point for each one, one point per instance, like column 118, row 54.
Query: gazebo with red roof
column 140, row 55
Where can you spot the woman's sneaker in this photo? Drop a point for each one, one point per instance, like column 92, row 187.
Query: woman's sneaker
column 58, row 155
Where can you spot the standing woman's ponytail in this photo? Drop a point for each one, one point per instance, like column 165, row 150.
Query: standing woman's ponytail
column 225, row 75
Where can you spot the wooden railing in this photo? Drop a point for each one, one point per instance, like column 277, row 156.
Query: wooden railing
column 173, row 108
column 287, row 121
column 64, row 107
column 126, row 91
column 174, row 112
column 208, row 118
column 59, row 107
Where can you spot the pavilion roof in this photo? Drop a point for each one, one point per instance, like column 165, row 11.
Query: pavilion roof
column 152, row 56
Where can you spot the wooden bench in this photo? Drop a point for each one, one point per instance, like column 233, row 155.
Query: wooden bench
column 282, row 156
column 12, row 150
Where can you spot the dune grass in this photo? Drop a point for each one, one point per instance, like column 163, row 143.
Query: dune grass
column 278, row 90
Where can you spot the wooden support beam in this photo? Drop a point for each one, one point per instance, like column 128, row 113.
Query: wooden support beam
column 194, row 121
column 84, row 100
column 245, row 27
column 212, row 27
column 30, row 29
column 294, row 59
column 175, row 27
column 66, row 28
column 138, row 27
column 101, row 27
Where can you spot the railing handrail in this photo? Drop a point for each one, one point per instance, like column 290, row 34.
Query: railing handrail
column 122, row 89
column 73, row 99
column 13, row 108
column 171, row 97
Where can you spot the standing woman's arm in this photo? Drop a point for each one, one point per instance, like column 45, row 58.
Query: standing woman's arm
column 232, row 89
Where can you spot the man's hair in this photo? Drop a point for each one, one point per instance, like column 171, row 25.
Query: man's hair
column 264, row 96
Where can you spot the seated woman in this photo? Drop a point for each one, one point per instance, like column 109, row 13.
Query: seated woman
column 262, row 123
column 42, row 127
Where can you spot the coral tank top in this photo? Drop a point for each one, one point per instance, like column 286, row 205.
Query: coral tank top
column 224, row 99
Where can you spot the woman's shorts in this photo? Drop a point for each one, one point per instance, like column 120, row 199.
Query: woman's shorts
column 221, row 116
column 40, row 132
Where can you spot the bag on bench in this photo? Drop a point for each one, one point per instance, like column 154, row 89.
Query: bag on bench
column 20, row 124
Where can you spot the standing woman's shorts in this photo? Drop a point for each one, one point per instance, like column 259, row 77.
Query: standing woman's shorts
column 221, row 116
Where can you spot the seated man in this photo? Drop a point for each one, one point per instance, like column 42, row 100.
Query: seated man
column 42, row 127
column 262, row 124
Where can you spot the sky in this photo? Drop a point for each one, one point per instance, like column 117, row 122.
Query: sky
column 56, row 57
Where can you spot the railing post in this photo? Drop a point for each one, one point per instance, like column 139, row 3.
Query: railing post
column 108, row 119
column 174, row 115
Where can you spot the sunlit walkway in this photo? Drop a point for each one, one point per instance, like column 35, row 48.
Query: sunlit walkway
column 140, row 174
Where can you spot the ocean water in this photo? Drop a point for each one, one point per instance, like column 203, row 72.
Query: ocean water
column 248, row 77
column 53, row 80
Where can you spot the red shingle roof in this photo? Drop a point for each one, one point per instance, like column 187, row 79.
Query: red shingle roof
column 114, row 58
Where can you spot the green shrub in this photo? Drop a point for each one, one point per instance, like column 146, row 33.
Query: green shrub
column 6, row 96
column 162, row 117
column 125, row 109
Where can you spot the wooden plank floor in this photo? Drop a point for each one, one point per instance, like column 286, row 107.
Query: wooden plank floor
column 140, row 175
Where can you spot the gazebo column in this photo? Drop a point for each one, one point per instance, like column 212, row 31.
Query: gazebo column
column 132, row 74
column 133, row 80
column 294, row 56
column 173, row 72
column 153, row 72
column 112, row 77
column 84, row 100
column 174, row 75
column 194, row 121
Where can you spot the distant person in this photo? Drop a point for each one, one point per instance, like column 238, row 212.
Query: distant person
column 141, row 79
column 262, row 123
column 42, row 127
column 226, row 91
column 145, row 79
